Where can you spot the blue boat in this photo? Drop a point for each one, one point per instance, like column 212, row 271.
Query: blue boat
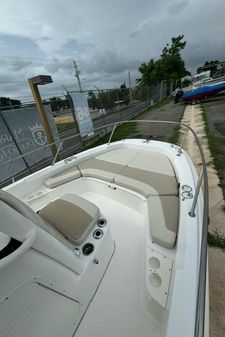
column 203, row 92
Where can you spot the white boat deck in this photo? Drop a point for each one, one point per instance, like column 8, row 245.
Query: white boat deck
column 119, row 307
column 136, row 289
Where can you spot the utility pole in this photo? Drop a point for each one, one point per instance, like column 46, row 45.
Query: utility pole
column 77, row 75
column 130, row 93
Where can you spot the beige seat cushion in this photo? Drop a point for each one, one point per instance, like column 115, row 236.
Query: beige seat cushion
column 164, row 218
column 121, row 156
column 107, row 165
column 149, row 173
column 63, row 177
column 152, row 161
column 147, row 182
column 72, row 216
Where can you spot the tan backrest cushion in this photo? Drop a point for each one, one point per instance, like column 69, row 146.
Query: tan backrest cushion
column 63, row 177
column 164, row 219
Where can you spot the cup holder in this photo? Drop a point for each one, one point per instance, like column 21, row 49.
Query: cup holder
column 154, row 262
column 101, row 223
column 155, row 280
column 87, row 249
column 98, row 234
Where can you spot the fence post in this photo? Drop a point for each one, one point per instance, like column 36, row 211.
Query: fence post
column 161, row 91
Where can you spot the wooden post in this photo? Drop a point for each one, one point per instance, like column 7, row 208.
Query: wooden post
column 42, row 113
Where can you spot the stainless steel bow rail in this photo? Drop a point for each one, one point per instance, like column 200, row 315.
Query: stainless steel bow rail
column 203, row 179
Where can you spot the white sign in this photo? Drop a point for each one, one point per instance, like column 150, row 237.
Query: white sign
column 82, row 114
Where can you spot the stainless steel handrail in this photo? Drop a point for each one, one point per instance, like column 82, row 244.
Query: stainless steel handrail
column 57, row 152
column 201, row 294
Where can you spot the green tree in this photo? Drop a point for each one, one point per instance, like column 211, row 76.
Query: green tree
column 56, row 103
column 92, row 100
column 186, row 82
column 149, row 73
column 124, row 93
column 211, row 62
column 170, row 66
column 8, row 103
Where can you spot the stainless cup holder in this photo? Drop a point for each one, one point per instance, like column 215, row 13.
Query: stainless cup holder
column 101, row 223
column 98, row 234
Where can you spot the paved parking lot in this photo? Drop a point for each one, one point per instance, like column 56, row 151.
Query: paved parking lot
column 167, row 112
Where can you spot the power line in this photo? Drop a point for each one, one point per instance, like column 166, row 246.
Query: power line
column 26, row 62
column 32, row 58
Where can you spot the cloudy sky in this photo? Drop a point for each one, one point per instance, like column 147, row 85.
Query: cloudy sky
column 106, row 38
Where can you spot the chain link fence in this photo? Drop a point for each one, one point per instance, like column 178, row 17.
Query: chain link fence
column 21, row 131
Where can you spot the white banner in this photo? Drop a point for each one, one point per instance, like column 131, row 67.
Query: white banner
column 82, row 114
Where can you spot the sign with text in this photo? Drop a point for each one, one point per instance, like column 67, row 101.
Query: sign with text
column 21, row 132
column 82, row 114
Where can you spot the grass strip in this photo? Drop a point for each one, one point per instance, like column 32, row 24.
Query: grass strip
column 216, row 146
column 216, row 240
column 123, row 131
column 175, row 136
column 65, row 126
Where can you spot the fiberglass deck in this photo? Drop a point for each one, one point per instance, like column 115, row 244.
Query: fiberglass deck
column 118, row 307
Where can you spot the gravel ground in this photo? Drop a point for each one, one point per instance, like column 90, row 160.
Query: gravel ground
column 168, row 112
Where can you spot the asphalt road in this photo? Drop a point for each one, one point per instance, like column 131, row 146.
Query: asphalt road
column 168, row 112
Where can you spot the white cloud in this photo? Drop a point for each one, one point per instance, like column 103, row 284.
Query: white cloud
column 107, row 38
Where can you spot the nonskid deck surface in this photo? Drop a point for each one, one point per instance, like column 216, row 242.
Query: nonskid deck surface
column 118, row 307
